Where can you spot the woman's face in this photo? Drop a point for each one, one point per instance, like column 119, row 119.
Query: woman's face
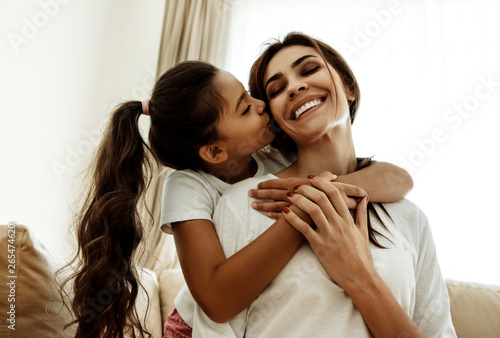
column 243, row 124
column 303, row 98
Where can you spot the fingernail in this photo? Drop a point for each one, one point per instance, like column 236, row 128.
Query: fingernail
column 254, row 205
column 296, row 187
column 311, row 177
column 285, row 209
column 250, row 193
column 290, row 194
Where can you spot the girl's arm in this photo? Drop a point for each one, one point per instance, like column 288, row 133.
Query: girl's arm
column 222, row 286
column 384, row 182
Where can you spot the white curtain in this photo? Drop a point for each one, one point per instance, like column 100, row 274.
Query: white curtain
column 430, row 97
column 192, row 30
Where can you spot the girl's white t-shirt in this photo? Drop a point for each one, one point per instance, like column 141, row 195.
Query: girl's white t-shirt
column 189, row 194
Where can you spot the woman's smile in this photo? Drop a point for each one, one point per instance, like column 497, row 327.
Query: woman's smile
column 308, row 104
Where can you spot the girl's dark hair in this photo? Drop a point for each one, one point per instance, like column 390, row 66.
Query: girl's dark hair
column 284, row 143
column 184, row 109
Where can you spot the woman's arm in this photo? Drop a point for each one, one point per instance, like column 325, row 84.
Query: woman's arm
column 342, row 247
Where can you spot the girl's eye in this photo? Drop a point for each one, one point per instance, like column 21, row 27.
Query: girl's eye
column 310, row 71
column 247, row 110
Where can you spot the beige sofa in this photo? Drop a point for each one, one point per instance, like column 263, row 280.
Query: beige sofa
column 28, row 283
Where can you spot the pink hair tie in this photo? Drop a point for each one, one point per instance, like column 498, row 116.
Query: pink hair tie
column 145, row 107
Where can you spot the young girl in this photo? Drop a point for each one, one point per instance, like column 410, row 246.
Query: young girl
column 202, row 121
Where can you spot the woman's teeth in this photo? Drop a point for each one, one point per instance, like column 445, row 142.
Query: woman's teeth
column 306, row 107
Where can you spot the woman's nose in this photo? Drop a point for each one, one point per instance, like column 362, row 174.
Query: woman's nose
column 295, row 88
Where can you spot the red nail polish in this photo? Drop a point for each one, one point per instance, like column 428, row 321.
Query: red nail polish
column 290, row 194
column 296, row 187
column 285, row 209
column 311, row 177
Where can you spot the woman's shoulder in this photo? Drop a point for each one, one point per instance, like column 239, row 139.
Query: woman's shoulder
column 403, row 208
column 404, row 215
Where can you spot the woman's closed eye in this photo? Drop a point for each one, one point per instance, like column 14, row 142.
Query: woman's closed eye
column 247, row 110
column 308, row 71
column 275, row 92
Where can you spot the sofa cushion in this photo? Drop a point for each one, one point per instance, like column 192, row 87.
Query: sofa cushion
column 38, row 308
column 171, row 281
column 475, row 309
column 32, row 297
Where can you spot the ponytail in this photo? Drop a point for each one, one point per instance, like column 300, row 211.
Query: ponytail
column 109, row 230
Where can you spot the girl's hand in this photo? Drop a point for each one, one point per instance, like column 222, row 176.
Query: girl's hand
column 277, row 190
column 341, row 245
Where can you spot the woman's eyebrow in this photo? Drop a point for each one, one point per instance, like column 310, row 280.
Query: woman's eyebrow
column 295, row 64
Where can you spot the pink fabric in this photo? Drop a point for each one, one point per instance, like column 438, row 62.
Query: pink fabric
column 176, row 327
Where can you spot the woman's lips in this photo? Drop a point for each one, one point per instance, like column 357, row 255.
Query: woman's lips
column 306, row 106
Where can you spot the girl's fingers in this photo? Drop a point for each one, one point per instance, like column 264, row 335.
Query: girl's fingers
column 274, row 215
column 328, row 176
column 351, row 190
column 301, row 226
column 268, row 194
column 333, row 194
column 270, row 206
column 284, row 183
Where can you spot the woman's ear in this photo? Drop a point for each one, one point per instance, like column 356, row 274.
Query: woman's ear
column 213, row 153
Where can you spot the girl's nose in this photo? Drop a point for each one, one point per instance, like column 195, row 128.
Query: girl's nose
column 260, row 106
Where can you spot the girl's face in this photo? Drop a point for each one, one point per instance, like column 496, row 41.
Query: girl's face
column 244, row 123
column 304, row 99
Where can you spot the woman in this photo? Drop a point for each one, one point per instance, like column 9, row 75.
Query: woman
column 381, row 280
column 284, row 77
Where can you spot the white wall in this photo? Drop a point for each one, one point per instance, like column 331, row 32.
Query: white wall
column 64, row 65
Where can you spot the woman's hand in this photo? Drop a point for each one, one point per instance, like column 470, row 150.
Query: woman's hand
column 278, row 189
column 341, row 245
